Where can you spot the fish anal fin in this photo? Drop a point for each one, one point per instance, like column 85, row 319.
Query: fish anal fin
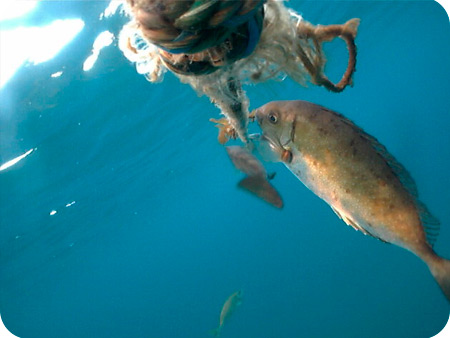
column 430, row 223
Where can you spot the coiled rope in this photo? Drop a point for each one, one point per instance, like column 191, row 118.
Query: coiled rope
column 199, row 36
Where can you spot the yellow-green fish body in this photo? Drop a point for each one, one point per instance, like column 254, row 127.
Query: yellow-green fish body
column 355, row 175
column 228, row 308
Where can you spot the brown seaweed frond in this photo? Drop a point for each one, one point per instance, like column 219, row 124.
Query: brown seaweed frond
column 226, row 131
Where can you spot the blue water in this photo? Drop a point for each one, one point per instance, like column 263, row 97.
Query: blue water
column 159, row 234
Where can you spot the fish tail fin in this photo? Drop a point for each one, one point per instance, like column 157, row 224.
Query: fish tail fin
column 260, row 186
column 215, row 332
column 440, row 269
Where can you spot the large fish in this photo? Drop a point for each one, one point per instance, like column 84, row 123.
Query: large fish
column 351, row 171
column 230, row 305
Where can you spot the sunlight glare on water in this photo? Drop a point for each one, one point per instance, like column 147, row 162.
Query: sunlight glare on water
column 34, row 44
column 10, row 9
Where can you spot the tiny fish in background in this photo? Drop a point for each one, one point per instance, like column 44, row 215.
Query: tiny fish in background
column 257, row 180
column 351, row 171
column 228, row 309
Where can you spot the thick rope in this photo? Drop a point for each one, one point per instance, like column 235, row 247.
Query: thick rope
column 216, row 45
column 197, row 37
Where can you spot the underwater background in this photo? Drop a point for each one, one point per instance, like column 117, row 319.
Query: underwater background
column 125, row 220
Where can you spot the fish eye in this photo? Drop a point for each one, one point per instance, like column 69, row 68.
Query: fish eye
column 273, row 117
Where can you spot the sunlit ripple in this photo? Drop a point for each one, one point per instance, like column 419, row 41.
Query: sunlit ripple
column 15, row 160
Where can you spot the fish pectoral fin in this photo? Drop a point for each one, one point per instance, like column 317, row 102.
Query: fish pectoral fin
column 350, row 222
column 355, row 225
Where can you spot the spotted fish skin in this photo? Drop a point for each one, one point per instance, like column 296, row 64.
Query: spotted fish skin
column 352, row 172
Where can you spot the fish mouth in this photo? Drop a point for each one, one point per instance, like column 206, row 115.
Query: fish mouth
column 267, row 144
column 258, row 115
column 258, row 118
column 270, row 149
column 273, row 143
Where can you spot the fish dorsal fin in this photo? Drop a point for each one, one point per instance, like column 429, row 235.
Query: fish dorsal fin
column 430, row 223
column 399, row 170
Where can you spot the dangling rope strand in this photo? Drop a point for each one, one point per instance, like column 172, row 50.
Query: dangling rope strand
column 320, row 34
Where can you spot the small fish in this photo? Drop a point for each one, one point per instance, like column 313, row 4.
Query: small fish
column 228, row 308
column 352, row 172
column 257, row 180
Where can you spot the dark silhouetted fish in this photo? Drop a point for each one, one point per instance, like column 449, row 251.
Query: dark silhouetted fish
column 257, row 180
